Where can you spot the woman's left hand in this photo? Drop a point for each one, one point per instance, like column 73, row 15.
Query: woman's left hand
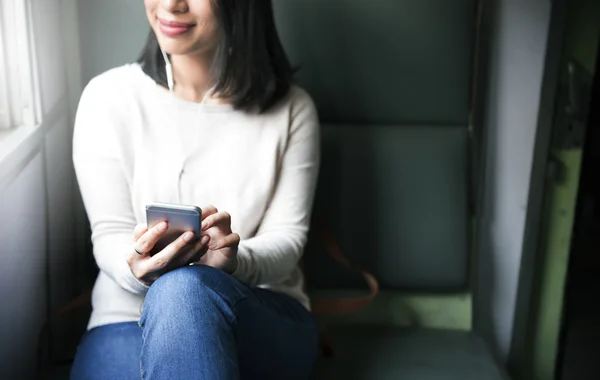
column 223, row 244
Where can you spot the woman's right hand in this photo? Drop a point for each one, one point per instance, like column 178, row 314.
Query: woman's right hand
column 179, row 253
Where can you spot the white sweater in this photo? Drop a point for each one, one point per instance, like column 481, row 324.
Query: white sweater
column 129, row 149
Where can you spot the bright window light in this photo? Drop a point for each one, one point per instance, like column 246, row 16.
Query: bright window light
column 19, row 89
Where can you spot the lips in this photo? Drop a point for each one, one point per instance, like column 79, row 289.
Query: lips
column 173, row 28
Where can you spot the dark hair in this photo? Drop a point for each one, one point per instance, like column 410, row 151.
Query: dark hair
column 250, row 65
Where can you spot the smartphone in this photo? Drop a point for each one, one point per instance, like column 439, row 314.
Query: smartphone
column 179, row 218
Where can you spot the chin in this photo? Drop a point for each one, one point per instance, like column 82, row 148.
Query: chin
column 180, row 46
column 175, row 50
column 174, row 47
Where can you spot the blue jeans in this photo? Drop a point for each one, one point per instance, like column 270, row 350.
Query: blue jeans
column 200, row 323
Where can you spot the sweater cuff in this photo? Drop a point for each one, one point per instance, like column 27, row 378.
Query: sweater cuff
column 244, row 260
column 129, row 282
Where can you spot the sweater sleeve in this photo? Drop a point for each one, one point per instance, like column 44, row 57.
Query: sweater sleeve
column 275, row 251
column 103, row 184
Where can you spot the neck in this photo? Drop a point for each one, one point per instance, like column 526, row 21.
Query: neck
column 192, row 76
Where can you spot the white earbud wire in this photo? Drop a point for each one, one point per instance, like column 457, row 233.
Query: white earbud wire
column 171, row 85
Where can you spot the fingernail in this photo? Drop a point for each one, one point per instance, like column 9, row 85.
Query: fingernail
column 204, row 240
column 162, row 227
column 204, row 225
column 188, row 236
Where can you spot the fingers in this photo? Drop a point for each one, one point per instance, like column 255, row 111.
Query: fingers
column 139, row 230
column 221, row 219
column 201, row 243
column 208, row 211
column 162, row 259
column 229, row 241
column 148, row 239
column 196, row 252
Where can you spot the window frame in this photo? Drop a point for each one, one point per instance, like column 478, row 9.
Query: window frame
column 20, row 95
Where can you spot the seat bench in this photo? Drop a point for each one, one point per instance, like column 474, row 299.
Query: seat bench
column 393, row 353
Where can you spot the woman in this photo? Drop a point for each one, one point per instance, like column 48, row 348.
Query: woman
column 208, row 116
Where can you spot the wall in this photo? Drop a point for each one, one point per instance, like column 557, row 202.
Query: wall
column 559, row 236
column 112, row 32
column 37, row 209
column 519, row 32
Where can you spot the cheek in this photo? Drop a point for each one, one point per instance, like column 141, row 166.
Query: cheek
column 200, row 6
column 150, row 6
column 207, row 23
column 202, row 10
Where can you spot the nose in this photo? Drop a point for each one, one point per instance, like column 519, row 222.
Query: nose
column 175, row 6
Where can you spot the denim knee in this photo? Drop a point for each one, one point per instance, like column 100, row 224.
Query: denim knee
column 183, row 281
column 188, row 276
column 190, row 288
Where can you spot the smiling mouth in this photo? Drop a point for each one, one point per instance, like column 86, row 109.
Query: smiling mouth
column 173, row 28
